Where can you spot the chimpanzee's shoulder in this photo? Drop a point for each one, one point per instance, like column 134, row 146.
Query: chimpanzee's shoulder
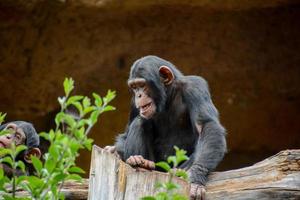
column 194, row 83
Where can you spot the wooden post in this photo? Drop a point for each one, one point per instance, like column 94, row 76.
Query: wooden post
column 112, row 179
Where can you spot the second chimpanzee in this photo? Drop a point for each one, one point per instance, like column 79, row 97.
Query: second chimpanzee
column 21, row 133
column 171, row 109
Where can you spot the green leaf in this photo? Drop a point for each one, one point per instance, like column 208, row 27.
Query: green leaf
column 158, row 185
column 162, row 196
column 4, row 132
column 182, row 158
column 7, row 197
column 61, row 196
column 59, row 118
column 69, row 120
column 94, row 117
column 172, row 159
column 98, row 100
column 38, row 165
column 74, row 99
column 59, row 177
column 88, row 143
column 4, row 152
column 76, row 170
column 148, row 198
column 34, row 181
column 89, row 109
column 20, row 179
column 78, row 107
column 8, row 160
column 179, row 197
column 180, row 155
column 21, row 165
column 50, row 165
column 1, row 173
column 68, row 85
column 171, row 186
column 163, row 165
column 108, row 108
column 86, row 102
column 74, row 177
column 2, row 117
column 74, row 146
column 181, row 173
column 20, row 148
column 45, row 136
column 53, row 150
column 79, row 134
column 109, row 96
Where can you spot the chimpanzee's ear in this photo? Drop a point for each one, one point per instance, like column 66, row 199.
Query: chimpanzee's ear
column 32, row 152
column 166, row 74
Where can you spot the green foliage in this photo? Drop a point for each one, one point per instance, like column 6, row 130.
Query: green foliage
column 70, row 135
column 2, row 117
column 169, row 190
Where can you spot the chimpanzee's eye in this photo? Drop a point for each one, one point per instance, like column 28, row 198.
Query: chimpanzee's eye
column 133, row 87
column 141, row 84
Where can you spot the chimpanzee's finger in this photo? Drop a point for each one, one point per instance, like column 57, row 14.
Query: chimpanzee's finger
column 131, row 161
column 149, row 164
column 203, row 192
column 138, row 160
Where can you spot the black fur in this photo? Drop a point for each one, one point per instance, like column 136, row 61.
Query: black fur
column 180, row 106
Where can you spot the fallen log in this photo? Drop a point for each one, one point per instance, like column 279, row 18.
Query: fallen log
column 277, row 177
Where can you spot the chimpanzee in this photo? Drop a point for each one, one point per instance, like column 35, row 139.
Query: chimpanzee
column 169, row 109
column 22, row 133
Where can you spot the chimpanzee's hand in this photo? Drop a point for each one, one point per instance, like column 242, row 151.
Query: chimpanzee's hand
column 139, row 161
column 197, row 192
column 111, row 149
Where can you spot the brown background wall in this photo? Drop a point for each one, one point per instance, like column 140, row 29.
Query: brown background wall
column 248, row 53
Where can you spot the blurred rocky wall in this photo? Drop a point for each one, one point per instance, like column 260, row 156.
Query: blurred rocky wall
column 248, row 52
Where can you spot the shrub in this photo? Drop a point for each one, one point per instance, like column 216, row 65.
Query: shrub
column 69, row 136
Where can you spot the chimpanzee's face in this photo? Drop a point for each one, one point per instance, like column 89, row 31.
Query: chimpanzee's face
column 143, row 101
column 16, row 135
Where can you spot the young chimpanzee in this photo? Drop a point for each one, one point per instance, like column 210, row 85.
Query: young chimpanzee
column 21, row 133
column 171, row 109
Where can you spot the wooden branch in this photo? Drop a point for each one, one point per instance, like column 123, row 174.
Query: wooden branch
column 277, row 177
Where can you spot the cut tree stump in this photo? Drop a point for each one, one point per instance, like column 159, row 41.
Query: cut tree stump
column 277, row 177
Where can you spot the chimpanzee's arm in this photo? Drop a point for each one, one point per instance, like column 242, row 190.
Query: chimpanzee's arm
column 133, row 141
column 211, row 144
column 209, row 151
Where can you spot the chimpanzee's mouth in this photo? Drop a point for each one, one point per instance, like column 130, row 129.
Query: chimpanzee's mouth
column 2, row 145
column 145, row 107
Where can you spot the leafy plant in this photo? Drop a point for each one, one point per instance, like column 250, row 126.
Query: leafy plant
column 169, row 189
column 69, row 136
